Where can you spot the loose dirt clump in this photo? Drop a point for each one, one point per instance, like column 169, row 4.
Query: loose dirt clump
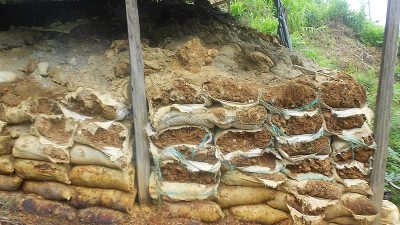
column 361, row 154
column 228, row 89
column 253, row 115
column 194, row 55
column 351, row 173
column 289, row 95
column 54, row 128
column 321, row 189
column 90, row 105
column 319, row 146
column 206, row 155
column 110, row 137
column 343, row 94
column 243, row 140
column 45, row 106
column 298, row 125
column 265, row 160
column 323, row 167
column 360, row 206
column 184, row 135
column 175, row 172
column 334, row 123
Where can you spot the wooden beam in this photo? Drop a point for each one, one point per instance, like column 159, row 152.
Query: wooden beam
column 384, row 103
column 139, row 105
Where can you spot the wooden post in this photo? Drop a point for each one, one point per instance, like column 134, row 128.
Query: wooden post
column 139, row 105
column 384, row 103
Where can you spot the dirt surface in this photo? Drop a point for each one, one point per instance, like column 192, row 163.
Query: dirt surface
column 184, row 135
column 90, row 106
column 253, row 115
column 110, row 137
column 194, row 55
column 56, row 129
column 206, row 154
column 219, row 113
column 298, row 125
column 45, row 106
column 243, row 140
column 351, row 173
column 321, row 146
column 360, row 154
column 175, row 172
column 344, row 93
column 273, row 177
column 231, row 90
column 360, row 206
column 324, row 167
column 265, row 160
column 334, row 123
column 321, row 189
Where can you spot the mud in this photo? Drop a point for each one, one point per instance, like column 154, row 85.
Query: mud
column 289, row 95
column 334, row 123
column 323, row 167
column 265, row 160
column 320, row 146
column 206, row 155
column 360, row 154
column 243, row 140
column 343, row 94
column 298, row 125
column 59, row 130
column 351, row 173
column 175, row 172
column 253, row 115
column 228, row 89
column 101, row 138
column 321, row 189
column 184, row 135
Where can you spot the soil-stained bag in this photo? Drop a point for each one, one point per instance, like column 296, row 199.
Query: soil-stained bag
column 102, row 177
column 97, row 215
column 48, row 190
column 10, row 183
column 357, row 186
column 30, row 147
column 259, row 213
column 16, row 114
column 6, row 164
column 87, row 103
column 205, row 211
column 6, row 140
column 293, row 122
column 42, row 171
column 312, row 169
column 86, row 197
column 390, row 213
column 40, row 206
column 345, row 119
column 229, row 196
column 112, row 138
column 304, row 213
column 313, row 188
column 248, row 179
column 353, row 170
column 85, row 155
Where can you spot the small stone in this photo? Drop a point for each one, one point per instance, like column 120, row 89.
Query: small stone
column 43, row 68
column 7, row 76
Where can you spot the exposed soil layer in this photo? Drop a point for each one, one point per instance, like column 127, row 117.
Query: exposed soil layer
column 90, row 105
column 360, row 154
column 231, row 90
column 243, row 140
column 45, row 106
column 298, row 125
column 360, row 206
column 175, row 172
column 180, row 93
column 319, row 146
column 343, row 94
column 334, row 123
column 54, row 128
column 184, row 135
column 274, row 177
column 110, row 137
column 321, row 189
column 253, row 115
column 323, row 167
column 351, row 173
column 194, row 55
column 289, row 95
column 201, row 155
column 265, row 160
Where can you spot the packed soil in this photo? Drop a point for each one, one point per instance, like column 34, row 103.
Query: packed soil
column 110, row 137
column 265, row 160
column 45, row 106
column 252, row 115
column 206, row 154
column 320, row 146
column 289, row 95
column 334, row 123
column 360, row 154
column 323, row 167
column 55, row 129
column 91, row 106
column 351, row 173
column 231, row 90
column 343, row 94
column 321, row 189
column 175, row 172
column 184, row 135
column 298, row 125
column 274, row 177
column 194, row 55
column 360, row 206
column 243, row 140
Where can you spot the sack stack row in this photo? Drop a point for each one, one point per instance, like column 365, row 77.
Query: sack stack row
column 295, row 153
column 72, row 148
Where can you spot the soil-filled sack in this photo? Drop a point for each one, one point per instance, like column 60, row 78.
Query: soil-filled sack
column 357, row 186
column 207, row 154
column 390, row 213
column 249, row 118
column 6, row 140
column 242, row 140
column 292, row 122
column 87, row 103
column 313, row 188
column 31, row 147
column 40, row 206
column 231, row 92
column 314, row 169
column 17, row 114
column 229, row 196
column 112, row 138
column 6, row 164
column 205, row 211
column 42, row 171
column 248, row 179
column 181, row 135
column 10, row 183
column 85, row 155
column 353, row 170
column 48, row 190
column 344, row 119
column 103, row 177
column 97, row 215
column 304, row 213
column 259, row 213
column 87, row 197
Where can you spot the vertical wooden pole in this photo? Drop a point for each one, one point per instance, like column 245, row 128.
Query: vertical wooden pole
column 139, row 105
column 384, row 102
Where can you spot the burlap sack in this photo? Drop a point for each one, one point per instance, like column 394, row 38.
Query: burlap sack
column 390, row 213
column 48, row 190
column 42, row 171
column 40, row 206
column 205, row 211
column 259, row 213
column 6, row 164
column 229, row 196
column 235, row 177
column 97, row 215
column 10, row 183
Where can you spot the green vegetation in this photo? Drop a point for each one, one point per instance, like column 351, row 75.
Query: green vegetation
column 312, row 24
